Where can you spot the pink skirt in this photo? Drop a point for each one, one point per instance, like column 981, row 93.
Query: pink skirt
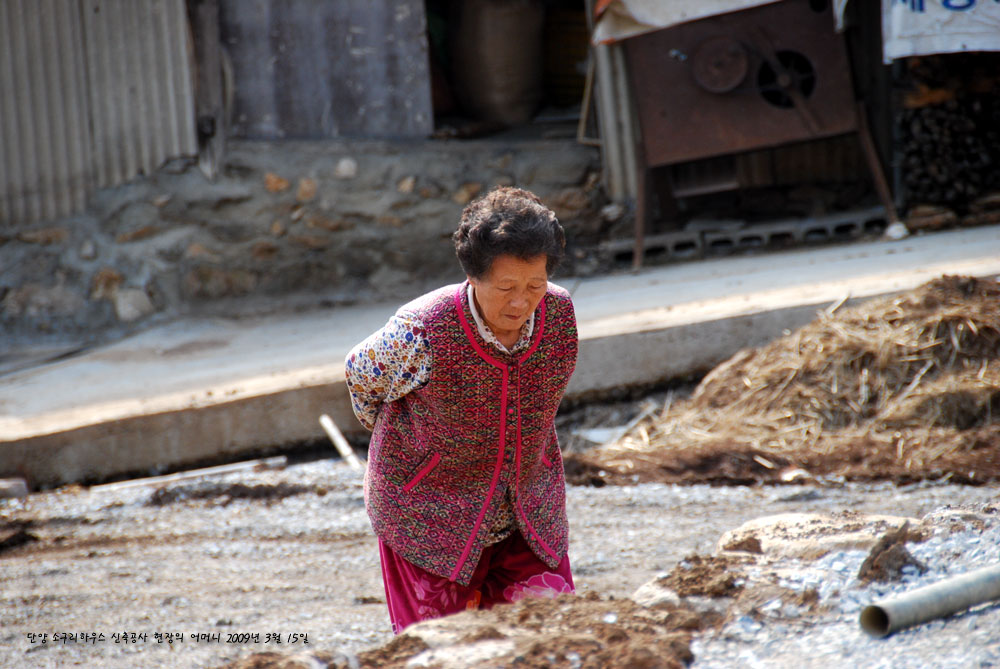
column 507, row 571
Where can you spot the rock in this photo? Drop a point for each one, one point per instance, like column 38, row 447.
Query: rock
column 275, row 184
column 136, row 221
column 138, row 234
column 480, row 653
column 466, row 192
column 306, row 190
column 390, row 276
column 796, row 475
column 747, row 544
column 131, row 304
column 705, row 576
column 34, row 299
column 347, row 168
column 889, row 556
column 810, row 536
column 13, row 488
column 569, row 202
column 161, row 201
column 264, row 251
column 406, row 184
column 44, row 236
column 502, row 162
column 655, row 594
column 568, row 167
column 88, row 250
column 215, row 282
column 896, row 231
column 612, row 212
column 390, row 221
column 958, row 519
column 200, row 251
column 324, row 223
column 311, row 241
column 105, row 283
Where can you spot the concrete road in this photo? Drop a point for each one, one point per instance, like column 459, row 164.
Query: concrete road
column 202, row 389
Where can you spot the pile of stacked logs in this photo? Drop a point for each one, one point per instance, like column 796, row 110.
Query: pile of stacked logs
column 948, row 134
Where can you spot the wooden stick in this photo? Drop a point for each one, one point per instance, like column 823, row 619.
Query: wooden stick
column 337, row 437
column 266, row 463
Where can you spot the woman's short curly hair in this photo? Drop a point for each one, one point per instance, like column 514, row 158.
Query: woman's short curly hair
column 507, row 221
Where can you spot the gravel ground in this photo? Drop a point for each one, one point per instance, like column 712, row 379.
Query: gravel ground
column 290, row 552
column 835, row 639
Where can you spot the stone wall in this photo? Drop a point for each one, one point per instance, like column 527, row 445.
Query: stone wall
column 287, row 225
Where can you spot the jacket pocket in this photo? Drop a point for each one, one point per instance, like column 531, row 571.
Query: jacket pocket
column 423, row 472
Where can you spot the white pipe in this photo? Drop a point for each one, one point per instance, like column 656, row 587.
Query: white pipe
column 931, row 602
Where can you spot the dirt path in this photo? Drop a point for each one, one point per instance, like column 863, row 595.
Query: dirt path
column 290, row 552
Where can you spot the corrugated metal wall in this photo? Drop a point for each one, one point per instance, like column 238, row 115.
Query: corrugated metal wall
column 92, row 93
column 45, row 168
column 315, row 69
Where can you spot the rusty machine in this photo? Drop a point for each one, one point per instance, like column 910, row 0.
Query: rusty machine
column 710, row 93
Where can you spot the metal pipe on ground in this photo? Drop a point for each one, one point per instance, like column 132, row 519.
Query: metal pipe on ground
column 931, row 602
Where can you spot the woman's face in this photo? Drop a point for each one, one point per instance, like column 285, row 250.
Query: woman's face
column 510, row 291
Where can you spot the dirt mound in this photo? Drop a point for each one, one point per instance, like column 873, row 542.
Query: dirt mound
column 585, row 631
column 704, row 575
column 903, row 388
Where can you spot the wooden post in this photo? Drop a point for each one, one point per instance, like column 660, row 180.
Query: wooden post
column 878, row 175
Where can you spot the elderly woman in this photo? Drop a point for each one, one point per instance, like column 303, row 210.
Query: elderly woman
column 464, row 486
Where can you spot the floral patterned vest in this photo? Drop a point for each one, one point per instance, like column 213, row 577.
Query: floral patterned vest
column 443, row 456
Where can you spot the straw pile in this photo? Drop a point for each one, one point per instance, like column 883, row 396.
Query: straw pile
column 906, row 387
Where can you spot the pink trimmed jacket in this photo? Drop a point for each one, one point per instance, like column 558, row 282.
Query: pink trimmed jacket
column 443, row 456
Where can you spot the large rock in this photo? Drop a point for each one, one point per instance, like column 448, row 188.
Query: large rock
column 809, row 535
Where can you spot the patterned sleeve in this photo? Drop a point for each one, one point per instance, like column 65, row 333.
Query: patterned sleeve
column 387, row 365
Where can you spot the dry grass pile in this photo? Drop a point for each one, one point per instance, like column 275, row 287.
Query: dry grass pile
column 906, row 387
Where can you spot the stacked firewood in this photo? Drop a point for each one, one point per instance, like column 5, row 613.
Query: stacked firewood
column 949, row 131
